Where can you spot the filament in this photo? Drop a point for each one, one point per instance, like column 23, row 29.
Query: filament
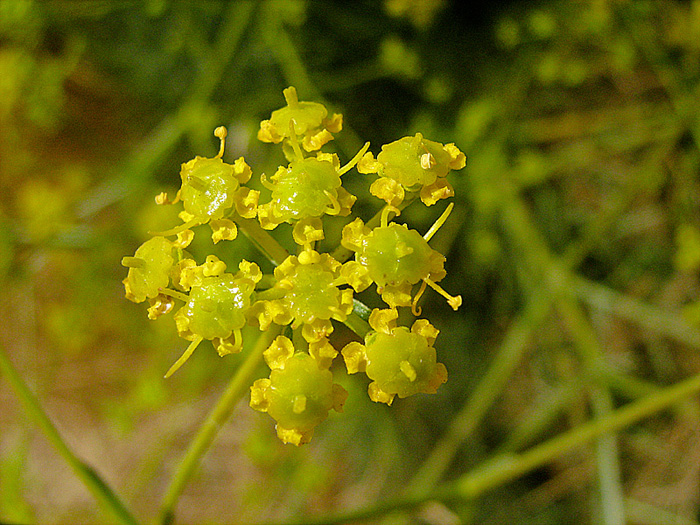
column 354, row 160
column 178, row 229
column 184, row 357
column 415, row 309
column 335, row 208
column 455, row 302
column 175, row 294
column 294, row 141
column 133, row 262
column 438, row 223
column 221, row 132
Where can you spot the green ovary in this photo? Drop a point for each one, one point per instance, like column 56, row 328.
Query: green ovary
column 301, row 394
column 394, row 255
column 218, row 305
column 301, row 190
column 208, row 187
column 313, row 295
column 400, row 363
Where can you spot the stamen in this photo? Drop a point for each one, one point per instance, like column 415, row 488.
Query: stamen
column 290, row 96
column 455, row 302
column 299, row 404
column 175, row 294
column 197, row 183
column 335, row 207
column 415, row 309
column 354, row 160
column 221, row 133
column 385, row 214
column 427, row 161
column 438, row 223
column 237, row 339
column 184, row 357
column 177, row 229
column 265, row 182
column 133, row 262
column 294, row 140
column 408, row 370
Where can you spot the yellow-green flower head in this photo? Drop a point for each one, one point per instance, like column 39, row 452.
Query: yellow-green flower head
column 394, row 257
column 399, row 362
column 149, row 269
column 209, row 186
column 308, row 293
column 308, row 187
column 303, row 119
column 414, row 164
column 217, row 304
column 298, row 394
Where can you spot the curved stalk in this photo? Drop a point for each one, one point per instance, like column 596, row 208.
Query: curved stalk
column 109, row 501
column 199, row 445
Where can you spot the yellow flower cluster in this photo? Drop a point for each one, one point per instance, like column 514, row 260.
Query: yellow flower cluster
column 309, row 291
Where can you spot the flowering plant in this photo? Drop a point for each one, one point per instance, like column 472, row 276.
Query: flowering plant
column 309, row 290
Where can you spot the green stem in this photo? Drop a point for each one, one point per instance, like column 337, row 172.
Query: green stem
column 97, row 486
column 508, row 467
column 265, row 242
column 358, row 325
column 658, row 320
column 199, row 445
column 487, row 391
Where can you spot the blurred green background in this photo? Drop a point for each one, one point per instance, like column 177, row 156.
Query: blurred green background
column 575, row 243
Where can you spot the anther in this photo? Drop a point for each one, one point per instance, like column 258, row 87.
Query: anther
column 221, row 133
column 455, row 302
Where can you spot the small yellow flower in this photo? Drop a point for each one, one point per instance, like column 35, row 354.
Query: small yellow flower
column 306, row 293
column 298, row 394
column 210, row 189
column 308, row 188
column 303, row 119
column 399, row 362
column 415, row 164
column 149, row 269
column 216, row 307
column 395, row 258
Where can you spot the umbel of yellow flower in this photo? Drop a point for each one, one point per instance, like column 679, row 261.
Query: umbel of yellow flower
column 210, row 189
column 216, row 307
column 306, row 292
column 399, row 362
column 300, row 119
column 395, row 258
column 413, row 164
column 298, row 394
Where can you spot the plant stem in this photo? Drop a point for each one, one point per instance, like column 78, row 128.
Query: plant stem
column 658, row 320
column 487, row 391
column 90, row 478
column 265, row 242
column 199, row 445
column 507, row 467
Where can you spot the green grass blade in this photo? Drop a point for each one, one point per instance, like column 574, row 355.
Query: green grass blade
column 109, row 501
